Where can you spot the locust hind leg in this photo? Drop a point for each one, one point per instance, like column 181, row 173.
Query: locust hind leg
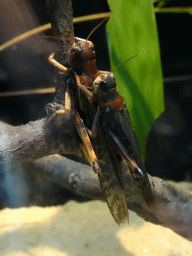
column 86, row 147
column 139, row 176
column 137, row 172
column 83, row 88
column 65, row 69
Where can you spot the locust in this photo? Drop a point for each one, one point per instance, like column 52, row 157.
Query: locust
column 105, row 128
column 115, row 119
column 83, row 68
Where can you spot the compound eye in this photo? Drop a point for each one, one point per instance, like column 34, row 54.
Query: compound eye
column 110, row 82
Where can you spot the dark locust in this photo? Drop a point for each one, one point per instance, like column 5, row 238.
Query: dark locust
column 104, row 126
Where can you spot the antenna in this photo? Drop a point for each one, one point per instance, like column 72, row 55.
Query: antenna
column 123, row 63
column 98, row 25
column 59, row 38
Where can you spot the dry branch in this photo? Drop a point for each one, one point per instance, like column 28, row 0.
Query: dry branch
column 61, row 15
column 173, row 206
column 37, row 139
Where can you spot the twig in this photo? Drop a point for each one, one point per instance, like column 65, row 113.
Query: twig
column 173, row 206
column 37, row 139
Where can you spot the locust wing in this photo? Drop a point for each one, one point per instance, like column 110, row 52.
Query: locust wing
column 118, row 128
column 110, row 173
column 112, row 186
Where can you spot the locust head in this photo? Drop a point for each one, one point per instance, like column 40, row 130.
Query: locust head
column 81, row 53
column 106, row 93
column 104, row 83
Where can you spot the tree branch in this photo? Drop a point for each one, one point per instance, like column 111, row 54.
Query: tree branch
column 37, row 139
column 61, row 15
column 79, row 178
column 173, row 206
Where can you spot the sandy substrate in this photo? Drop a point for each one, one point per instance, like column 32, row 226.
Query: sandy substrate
column 83, row 229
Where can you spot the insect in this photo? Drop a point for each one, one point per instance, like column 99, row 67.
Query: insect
column 116, row 122
column 84, row 69
column 105, row 109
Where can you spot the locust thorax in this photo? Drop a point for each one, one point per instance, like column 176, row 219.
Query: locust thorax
column 106, row 93
column 83, row 61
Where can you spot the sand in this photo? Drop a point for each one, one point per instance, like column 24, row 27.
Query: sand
column 83, row 229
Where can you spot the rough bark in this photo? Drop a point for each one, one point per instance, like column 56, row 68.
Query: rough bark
column 173, row 205
column 37, row 139
column 61, row 14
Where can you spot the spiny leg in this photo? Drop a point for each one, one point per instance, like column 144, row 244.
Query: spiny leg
column 56, row 63
column 63, row 68
column 83, row 88
column 67, row 108
column 86, row 143
column 125, row 155
column 139, row 176
column 86, row 147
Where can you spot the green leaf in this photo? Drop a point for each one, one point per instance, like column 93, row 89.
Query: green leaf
column 132, row 30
